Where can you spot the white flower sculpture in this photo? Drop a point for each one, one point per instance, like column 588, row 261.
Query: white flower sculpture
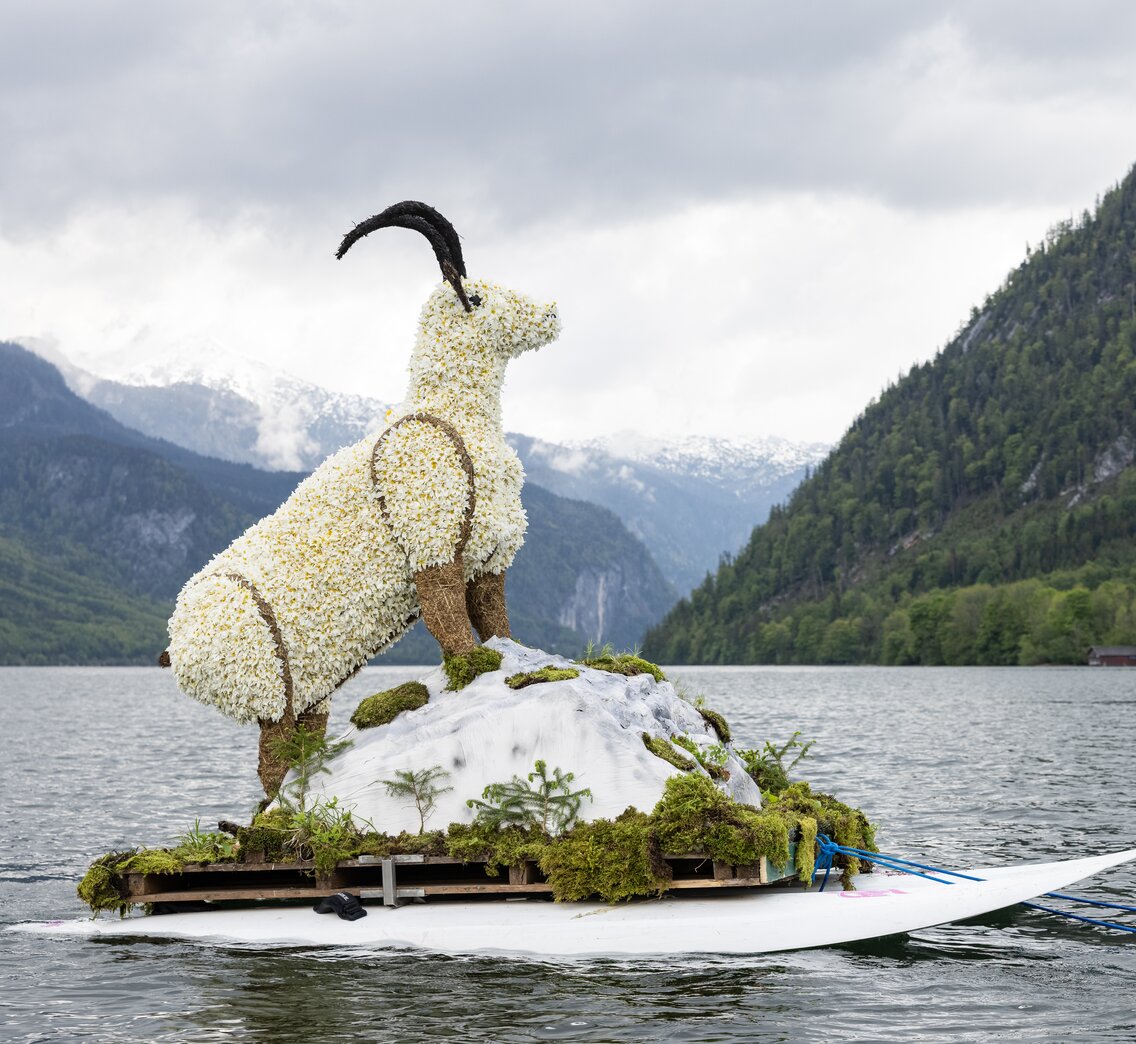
column 279, row 619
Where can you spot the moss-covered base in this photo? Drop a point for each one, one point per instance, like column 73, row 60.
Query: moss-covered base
column 462, row 668
column 610, row 859
column 384, row 707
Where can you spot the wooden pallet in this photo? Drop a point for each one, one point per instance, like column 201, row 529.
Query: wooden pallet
column 397, row 879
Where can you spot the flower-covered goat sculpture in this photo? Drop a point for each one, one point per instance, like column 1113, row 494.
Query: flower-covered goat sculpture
column 422, row 519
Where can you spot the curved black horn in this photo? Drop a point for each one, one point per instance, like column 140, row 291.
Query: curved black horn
column 449, row 233
column 425, row 219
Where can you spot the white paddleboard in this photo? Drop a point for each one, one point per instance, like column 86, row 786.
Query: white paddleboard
column 759, row 921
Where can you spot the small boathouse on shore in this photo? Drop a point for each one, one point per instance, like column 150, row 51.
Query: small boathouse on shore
column 1112, row 656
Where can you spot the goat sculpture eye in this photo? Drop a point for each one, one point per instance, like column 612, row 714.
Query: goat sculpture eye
column 474, row 300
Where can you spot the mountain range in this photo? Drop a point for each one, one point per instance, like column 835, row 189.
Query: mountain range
column 100, row 525
column 690, row 500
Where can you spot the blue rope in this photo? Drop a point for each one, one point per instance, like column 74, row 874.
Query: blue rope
column 827, row 849
column 1090, row 902
column 1078, row 917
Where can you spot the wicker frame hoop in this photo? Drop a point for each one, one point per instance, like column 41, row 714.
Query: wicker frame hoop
column 464, row 459
column 269, row 617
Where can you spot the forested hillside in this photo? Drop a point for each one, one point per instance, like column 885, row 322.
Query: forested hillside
column 982, row 511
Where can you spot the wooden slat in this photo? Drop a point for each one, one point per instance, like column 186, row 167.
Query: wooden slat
column 536, row 888
column 213, row 895
column 709, row 882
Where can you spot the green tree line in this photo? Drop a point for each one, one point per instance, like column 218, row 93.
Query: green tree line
column 1008, row 457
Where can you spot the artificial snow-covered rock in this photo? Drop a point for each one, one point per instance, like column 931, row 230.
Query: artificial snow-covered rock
column 592, row 726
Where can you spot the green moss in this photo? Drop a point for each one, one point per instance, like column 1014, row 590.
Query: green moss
column 432, row 842
column 152, row 861
column 693, row 815
column 687, row 744
column 717, row 722
column 545, row 674
column 617, row 859
column 200, row 846
column 662, row 749
column 270, row 833
column 384, row 707
column 844, row 824
column 103, row 886
column 461, row 669
column 703, row 756
column 508, row 847
column 625, row 664
column 806, row 849
column 329, row 847
column 612, row 859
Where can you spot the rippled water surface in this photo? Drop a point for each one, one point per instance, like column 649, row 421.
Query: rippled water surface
column 957, row 766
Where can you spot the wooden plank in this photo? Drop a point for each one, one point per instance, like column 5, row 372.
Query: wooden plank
column 489, row 888
column 213, row 895
column 709, row 882
column 377, row 876
column 229, row 868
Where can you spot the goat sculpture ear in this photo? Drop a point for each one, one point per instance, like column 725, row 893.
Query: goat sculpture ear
column 425, row 219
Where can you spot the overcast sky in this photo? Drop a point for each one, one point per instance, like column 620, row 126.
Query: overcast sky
column 753, row 215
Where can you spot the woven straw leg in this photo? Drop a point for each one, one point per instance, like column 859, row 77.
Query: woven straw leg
column 485, row 600
column 441, row 593
column 271, row 768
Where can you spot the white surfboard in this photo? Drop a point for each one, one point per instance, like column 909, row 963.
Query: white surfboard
column 759, row 921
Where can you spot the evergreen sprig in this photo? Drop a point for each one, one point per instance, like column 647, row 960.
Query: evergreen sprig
column 552, row 805
column 307, row 752
column 423, row 788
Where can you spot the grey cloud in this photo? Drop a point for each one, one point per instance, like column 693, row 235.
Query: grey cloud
column 587, row 109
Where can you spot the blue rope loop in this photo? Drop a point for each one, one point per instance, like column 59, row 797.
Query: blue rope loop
column 827, row 849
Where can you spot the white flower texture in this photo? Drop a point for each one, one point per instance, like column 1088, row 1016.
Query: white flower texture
column 335, row 574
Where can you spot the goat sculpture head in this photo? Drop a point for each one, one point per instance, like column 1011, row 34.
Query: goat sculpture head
column 475, row 311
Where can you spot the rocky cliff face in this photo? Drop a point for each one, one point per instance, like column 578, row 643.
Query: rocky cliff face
column 606, row 602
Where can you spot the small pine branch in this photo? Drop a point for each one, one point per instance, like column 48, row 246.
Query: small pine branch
column 422, row 787
column 307, row 751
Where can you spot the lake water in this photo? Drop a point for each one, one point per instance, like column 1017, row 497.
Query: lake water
column 958, row 766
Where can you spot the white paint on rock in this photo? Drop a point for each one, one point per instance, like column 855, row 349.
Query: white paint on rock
column 591, row 726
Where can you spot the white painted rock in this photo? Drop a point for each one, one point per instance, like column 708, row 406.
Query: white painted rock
column 591, row 726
